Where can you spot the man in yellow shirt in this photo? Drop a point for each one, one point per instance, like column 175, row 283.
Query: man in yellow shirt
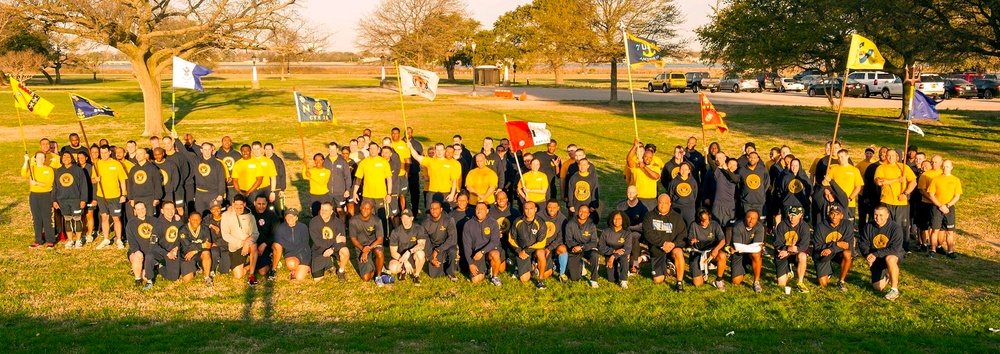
column 51, row 158
column 109, row 177
column 897, row 181
column 848, row 178
column 866, row 206
column 534, row 184
column 247, row 173
column 444, row 174
column 922, row 217
column 645, row 172
column 376, row 176
column 481, row 182
column 41, row 178
column 267, row 171
column 944, row 191
column 399, row 146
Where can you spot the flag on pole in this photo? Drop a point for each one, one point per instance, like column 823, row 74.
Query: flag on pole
column 188, row 75
column 416, row 82
column 527, row 134
column 710, row 118
column 914, row 128
column 642, row 51
column 85, row 108
column 864, row 54
column 27, row 100
column 923, row 107
column 311, row 110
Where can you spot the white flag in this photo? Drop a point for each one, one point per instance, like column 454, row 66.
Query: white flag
column 540, row 135
column 914, row 128
column 416, row 82
column 188, row 75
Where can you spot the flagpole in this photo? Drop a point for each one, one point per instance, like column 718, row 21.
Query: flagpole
column 24, row 143
column 82, row 131
column 399, row 80
column 631, row 93
column 836, row 127
column 302, row 136
column 173, row 107
column 909, row 114
column 517, row 163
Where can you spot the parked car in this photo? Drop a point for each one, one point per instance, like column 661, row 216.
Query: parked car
column 737, row 83
column 893, row 89
column 931, row 85
column 768, row 81
column 993, row 76
column 667, row 81
column 966, row 76
column 959, row 88
column 790, row 84
column 807, row 72
column 809, row 80
column 872, row 81
column 986, row 88
column 835, row 85
column 702, row 80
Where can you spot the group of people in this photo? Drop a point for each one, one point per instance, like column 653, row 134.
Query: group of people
column 446, row 210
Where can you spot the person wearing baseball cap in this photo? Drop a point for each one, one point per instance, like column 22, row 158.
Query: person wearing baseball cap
column 881, row 243
column 791, row 242
column 406, row 247
column 291, row 240
column 832, row 241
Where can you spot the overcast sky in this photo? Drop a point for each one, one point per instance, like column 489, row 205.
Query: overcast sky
column 341, row 16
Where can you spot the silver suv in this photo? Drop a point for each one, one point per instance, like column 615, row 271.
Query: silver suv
column 873, row 81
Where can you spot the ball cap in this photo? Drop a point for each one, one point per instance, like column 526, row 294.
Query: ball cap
column 292, row 211
column 406, row 212
column 835, row 209
column 795, row 210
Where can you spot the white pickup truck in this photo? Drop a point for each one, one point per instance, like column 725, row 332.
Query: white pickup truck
column 931, row 85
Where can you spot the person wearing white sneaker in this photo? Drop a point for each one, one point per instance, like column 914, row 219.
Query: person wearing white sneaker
column 406, row 247
column 443, row 243
column 291, row 241
column 616, row 246
column 480, row 243
column 240, row 232
column 582, row 241
column 748, row 245
column 141, row 233
column 665, row 233
column 196, row 245
column 69, row 195
column 109, row 177
column 527, row 241
column 707, row 239
column 329, row 241
column 831, row 242
column 881, row 243
column 791, row 240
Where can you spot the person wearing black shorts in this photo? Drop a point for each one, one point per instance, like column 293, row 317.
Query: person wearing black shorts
column 724, row 183
column 196, row 245
column 527, row 239
column 945, row 191
column 267, row 221
column 555, row 242
column 707, row 241
column 582, row 242
column 239, row 229
column 69, row 194
column 754, row 183
column 141, row 235
column 748, row 247
column 635, row 211
column 443, row 243
column 831, row 242
column 166, row 247
column 616, row 246
column 367, row 236
column 480, row 244
column 291, row 241
column 145, row 183
column 329, row 240
column 881, row 243
column 407, row 245
column 219, row 248
column 664, row 232
column 791, row 242
column 341, row 179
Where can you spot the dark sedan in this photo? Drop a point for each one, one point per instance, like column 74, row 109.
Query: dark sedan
column 958, row 88
column 986, row 88
column 854, row 88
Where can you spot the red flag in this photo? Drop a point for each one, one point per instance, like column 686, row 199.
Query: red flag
column 520, row 136
column 710, row 117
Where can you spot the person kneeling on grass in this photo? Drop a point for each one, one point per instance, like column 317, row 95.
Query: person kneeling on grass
column 616, row 246
column 166, row 249
column 582, row 241
column 527, row 239
column 748, row 244
column 481, row 242
column 406, row 246
column 832, row 242
column 664, row 232
column 291, row 241
column 791, row 242
column 141, row 233
column 881, row 244
column 239, row 229
column 442, row 241
column 196, row 246
column 707, row 239
column 367, row 236
column 328, row 240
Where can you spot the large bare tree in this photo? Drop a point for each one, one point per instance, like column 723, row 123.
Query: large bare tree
column 287, row 42
column 150, row 32
column 419, row 32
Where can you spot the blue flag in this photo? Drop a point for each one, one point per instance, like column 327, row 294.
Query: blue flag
column 311, row 110
column 86, row 108
column 923, row 107
column 188, row 75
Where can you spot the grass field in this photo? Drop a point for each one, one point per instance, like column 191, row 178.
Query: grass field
column 83, row 300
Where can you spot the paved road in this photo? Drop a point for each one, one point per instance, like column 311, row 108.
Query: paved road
column 720, row 98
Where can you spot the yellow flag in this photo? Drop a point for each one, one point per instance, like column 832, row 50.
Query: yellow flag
column 864, row 54
column 29, row 101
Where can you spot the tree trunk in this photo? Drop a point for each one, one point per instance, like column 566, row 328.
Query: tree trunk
column 95, row 76
column 614, row 82
column 450, row 69
column 47, row 76
column 151, row 98
column 905, row 111
column 58, row 74
column 557, row 70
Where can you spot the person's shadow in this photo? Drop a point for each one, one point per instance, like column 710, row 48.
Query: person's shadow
column 265, row 291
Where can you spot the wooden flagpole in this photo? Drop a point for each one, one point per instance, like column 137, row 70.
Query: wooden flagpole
column 517, row 162
column 24, row 143
column 402, row 107
column 79, row 119
column 836, row 127
column 631, row 92
column 173, row 108
column 302, row 136
column 911, row 77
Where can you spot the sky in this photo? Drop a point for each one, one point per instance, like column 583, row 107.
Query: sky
column 340, row 17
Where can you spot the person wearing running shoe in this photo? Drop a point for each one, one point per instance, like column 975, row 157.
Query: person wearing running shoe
column 220, row 248
column 406, row 247
column 707, row 241
column 196, row 245
column 69, row 195
column 944, row 192
column 442, row 241
column 582, row 242
column 481, row 243
column 367, row 236
column 144, row 183
column 109, row 177
column 239, row 229
column 165, row 248
column 267, row 221
column 881, row 243
column 664, row 231
column 329, row 240
column 527, row 239
column 141, row 233
column 291, row 241
column 748, row 247
column 635, row 212
column 555, row 243
column 831, row 242
column 616, row 246
column 791, row 242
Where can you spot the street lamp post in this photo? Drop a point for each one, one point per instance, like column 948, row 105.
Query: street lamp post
column 254, row 84
column 473, row 61
column 381, row 82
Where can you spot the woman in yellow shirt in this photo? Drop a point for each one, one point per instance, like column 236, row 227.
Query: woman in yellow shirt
column 534, row 184
column 318, row 177
column 40, row 181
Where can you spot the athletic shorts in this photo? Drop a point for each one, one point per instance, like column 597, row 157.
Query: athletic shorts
column 338, row 200
column 942, row 221
column 264, row 259
column 367, row 265
column 393, row 207
column 237, row 259
column 746, row 208
column 650, row 203
column 110, row 206
column 70, row 208
column 901, row 215
column 880, row 269
column 480, row 264
column 171, row 269
column 783, row 265
column 658, row 265
column 188, row 267
column 693, row 259
column 824, row 265
column 738, row 263
column 178, row 198
column 303, row 254
column 524, row 265
column 320, row 264
column 724, row 216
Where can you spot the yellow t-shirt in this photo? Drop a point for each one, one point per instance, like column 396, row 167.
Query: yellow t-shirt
column 944, row 188
column 128, row 165
column 54, row 160
column 246, row 171
column 847, row 177
column 267, row 170
column 112, row 173
column 925, row 181
column 44, row 174
column 440, row 173
column 374, row 171
column 318, row 178
column 863, row 165
column 891, row 191
column 481, row 179
column 401, row 149
column 647, row 186
column 535, row 180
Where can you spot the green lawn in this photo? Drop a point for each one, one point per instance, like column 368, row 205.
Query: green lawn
column 83, row 300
